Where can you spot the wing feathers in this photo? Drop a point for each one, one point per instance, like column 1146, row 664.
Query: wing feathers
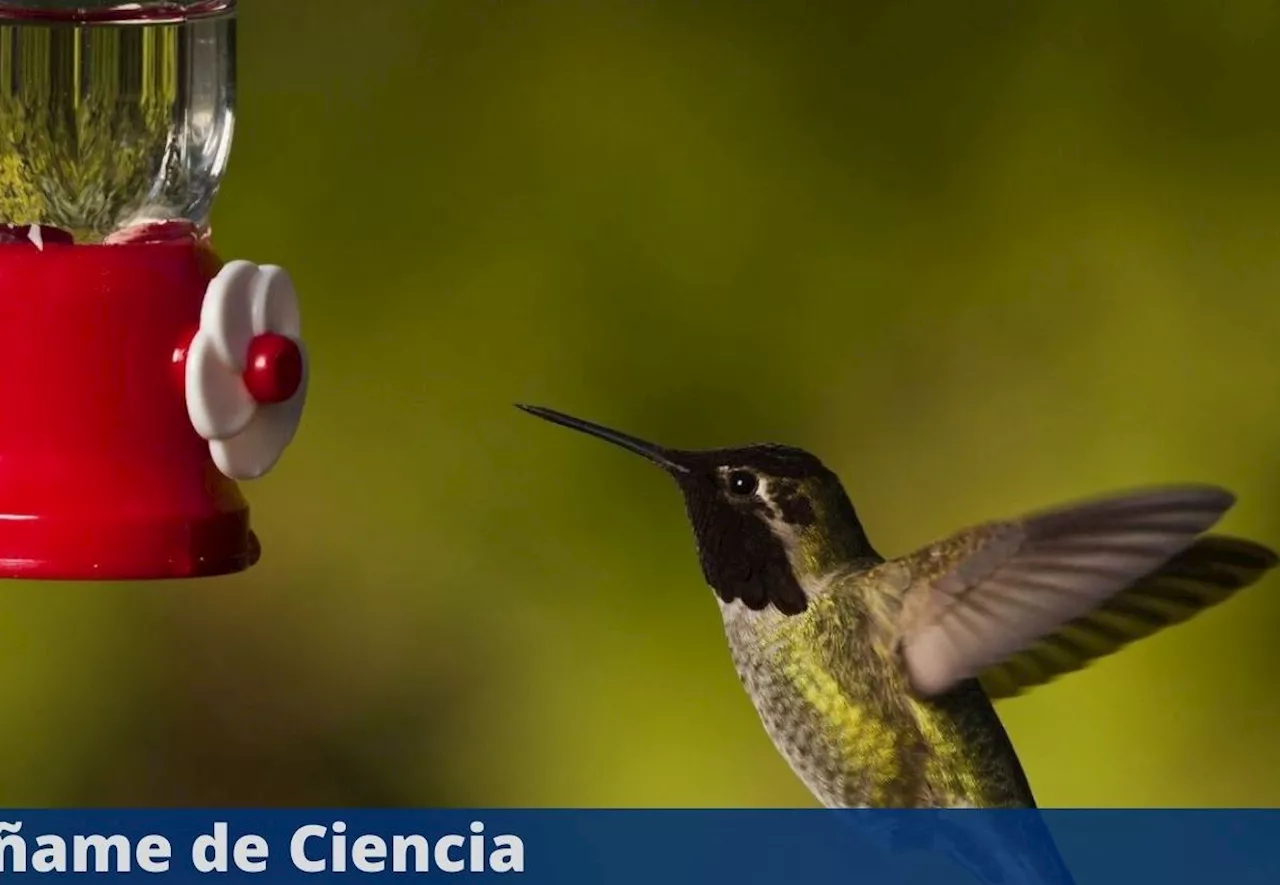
column 1162, row 509
column 1039, row 597
column 1206, row 573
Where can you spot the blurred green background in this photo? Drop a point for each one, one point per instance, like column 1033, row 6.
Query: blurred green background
column 980, row 258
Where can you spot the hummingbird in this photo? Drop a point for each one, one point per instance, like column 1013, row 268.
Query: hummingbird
column 875, row 678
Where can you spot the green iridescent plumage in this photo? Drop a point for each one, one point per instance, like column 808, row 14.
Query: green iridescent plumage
column 834, row 699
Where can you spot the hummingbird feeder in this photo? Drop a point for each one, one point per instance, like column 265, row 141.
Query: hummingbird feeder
column 140, row 377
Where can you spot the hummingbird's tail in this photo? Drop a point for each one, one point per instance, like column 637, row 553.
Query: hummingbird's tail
column 1010, row 846
column 996, row 846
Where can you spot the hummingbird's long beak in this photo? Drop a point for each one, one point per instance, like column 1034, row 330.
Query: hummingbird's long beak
column 657, row 454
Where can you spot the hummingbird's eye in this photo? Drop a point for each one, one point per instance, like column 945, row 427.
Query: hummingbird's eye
column 743, row 482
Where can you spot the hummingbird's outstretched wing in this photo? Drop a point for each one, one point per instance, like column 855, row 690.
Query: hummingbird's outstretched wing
column 1019, row 602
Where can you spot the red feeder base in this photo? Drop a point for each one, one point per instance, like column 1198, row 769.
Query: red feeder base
column 102, row 476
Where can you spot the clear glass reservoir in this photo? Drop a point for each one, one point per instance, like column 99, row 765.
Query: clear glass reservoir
column 116, row 119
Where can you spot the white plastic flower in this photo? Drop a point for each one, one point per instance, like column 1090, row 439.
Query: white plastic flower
column 246, row 369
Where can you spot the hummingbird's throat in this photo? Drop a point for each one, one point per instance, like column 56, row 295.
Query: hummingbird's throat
column 743, row 558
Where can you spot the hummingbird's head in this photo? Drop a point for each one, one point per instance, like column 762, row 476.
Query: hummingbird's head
column 769, row 519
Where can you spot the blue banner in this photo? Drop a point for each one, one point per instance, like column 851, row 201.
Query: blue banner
column 648, row 847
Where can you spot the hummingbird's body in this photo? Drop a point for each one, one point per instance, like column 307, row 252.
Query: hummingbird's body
column 875, row 678
column 836, row 704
